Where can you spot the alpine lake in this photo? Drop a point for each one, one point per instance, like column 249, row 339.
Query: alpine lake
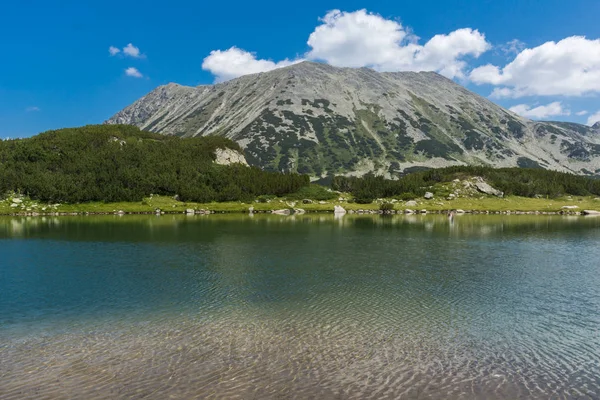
column 300, row 307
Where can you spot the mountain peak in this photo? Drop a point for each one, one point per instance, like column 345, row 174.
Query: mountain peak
column 318, row 119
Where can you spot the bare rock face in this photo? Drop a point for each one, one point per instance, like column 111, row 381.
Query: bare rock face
column 322, row 120
column 229, row 156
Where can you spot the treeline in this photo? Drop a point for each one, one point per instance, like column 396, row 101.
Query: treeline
column 524, row 182
column 121, row 163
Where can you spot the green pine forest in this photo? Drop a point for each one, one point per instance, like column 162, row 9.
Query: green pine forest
column 113, row 163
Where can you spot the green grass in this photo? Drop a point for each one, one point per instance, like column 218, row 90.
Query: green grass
column 169, row 205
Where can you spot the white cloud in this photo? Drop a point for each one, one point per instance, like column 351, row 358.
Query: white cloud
column 113, row 50
column 235, row 62
column 512, row 47
column 540, row 112
column 570, row 67
column 580, row 113
column 131, row 71
column 32, row 109
column 592, row 119
column 132, row 51
column 360, row 38
column 363, row 39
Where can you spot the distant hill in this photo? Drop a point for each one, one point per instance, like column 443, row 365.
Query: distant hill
column 322, row 120
column 122, row 163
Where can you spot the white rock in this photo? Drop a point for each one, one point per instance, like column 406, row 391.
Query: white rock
column 590, row 212
column 428, row 195
column 484, row 187
column 570, row 207
column 411, row 203
column 229, row 156
column 284, row 211
column 339, row 210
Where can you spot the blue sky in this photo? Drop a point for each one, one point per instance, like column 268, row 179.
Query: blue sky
column 56, row 70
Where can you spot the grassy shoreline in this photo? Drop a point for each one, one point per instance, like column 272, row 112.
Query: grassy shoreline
column 167, row 205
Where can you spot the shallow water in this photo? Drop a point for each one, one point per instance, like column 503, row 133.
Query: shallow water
column 300, row 307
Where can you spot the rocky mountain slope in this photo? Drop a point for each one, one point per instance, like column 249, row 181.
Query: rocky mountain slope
column 322, row 120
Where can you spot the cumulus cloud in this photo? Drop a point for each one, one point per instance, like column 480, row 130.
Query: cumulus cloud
column 132, row 51
column 540, row 112
column 113, row 50
column 363, row 39
column 569, row 67
column 133, row 72
column 234, row 62
column 592, row 119
column 580, row 113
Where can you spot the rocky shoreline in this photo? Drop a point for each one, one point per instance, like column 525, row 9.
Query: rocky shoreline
column 302, row 211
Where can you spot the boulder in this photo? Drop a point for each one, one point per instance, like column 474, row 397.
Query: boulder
column 307, row 201
column 409, row 211
column 484, row 187
column 189, row 211
column 250, row 209
column 423, row 211
column 459, row 211
column 339, row 210
column 411, row 203
column 590, row 212
column 17, row 200
column 299, row 211
column 570, row 207
column 428, row 195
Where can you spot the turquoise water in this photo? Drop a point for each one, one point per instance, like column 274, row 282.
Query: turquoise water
column 300, row 307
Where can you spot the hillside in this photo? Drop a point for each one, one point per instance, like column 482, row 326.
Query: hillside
column 122, row 163
column 322, row 120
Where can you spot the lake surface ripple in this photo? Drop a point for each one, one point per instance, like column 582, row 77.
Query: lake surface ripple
column 275, row 307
